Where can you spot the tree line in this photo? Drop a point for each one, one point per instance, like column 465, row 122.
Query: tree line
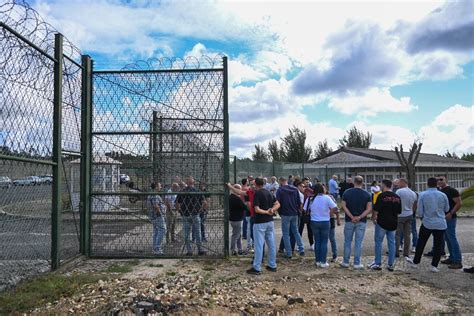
column 293, row 146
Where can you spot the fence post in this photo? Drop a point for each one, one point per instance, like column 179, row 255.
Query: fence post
column 86, row 150
column 302, row 169
column 57, row 147
column 226, row 158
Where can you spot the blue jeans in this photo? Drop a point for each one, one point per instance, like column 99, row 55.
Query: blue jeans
column 264, row 233
column 159, row 230
column 334, row 195
column 249, row 232
column 203, row 217
column 351, row 229
column 286, row 223
column 452, row 242
column 192, row 223
column 332, row 239
column 321, row 236
column 379, row 235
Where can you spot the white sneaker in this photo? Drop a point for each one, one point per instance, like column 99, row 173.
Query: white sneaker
column 409, row 260
column 344, row 265
column 359, row 266
column 374, row 266
column 318, row 264
column 324, row 265
column 311, row 248
column 400, row 248
column 413, row 250
column 434, row 269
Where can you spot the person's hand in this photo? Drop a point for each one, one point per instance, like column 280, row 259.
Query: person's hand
column 449, row 216
column 338, row 222
column 356, row 219
column 374, row 219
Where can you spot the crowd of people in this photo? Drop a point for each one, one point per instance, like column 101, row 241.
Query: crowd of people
column 391, row 205
column 192, row 206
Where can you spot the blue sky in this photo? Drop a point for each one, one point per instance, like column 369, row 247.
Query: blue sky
column 401, row 70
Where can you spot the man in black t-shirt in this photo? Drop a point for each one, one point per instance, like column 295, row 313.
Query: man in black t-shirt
column 455, row 256
column 189, row 204
column 265, row 206
column 385, row 217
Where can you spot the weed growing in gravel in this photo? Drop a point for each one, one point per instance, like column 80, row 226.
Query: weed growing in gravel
column 125, row 267
column 48, row 288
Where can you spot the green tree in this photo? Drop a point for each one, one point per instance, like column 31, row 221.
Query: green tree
column 356, row 138
column 293, row 146
column 468, row 156
column 451, row 155
column 274, row 151
column 260, row 154
column 322, row 150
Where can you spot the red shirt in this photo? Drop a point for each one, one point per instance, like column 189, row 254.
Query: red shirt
column 251, row 196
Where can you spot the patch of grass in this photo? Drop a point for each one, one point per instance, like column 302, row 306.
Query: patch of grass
column 406, row 314
column 171, row 273
column 209, row 268
column 125, row 267
column 467, row 205
column 42, row 290
column 342, row 290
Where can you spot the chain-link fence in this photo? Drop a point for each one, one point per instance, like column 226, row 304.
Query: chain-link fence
column 38, row 225
column 242, row 168
column 159, row 123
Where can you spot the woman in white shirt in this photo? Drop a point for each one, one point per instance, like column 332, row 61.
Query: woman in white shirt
column 320, row 206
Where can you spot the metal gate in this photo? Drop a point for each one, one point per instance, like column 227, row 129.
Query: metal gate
column 152, row 127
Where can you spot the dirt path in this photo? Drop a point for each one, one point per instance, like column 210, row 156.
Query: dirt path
column 223, row 287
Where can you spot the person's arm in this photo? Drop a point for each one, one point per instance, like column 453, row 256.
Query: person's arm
column 236, row 191
column 457, row 206
column 420, row 208
column 368, row 209
column 156, row 207
column 338, row 218
column 346, row 210
column 275, row 207
column 415, row 206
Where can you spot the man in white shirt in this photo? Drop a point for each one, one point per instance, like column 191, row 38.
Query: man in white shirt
column 409, row 204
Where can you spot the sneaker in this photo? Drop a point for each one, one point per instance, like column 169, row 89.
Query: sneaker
column 359, row 266
column 390, row 268
column 447, row 261
column 455, row 265
column 241, row 253
column 374, row 266
column 434, row 269
column 271, row 269
column 333, row 259
column 202, row 253
column 253, row 271
column 409, row 260
column 318, row 264
column 324, row 265
column 469, row 270
column 413, row 250
column 302, row 254
column 400, row 248
column 344, row 265
column 234, row 253
column 158, row 252
column 311, row 247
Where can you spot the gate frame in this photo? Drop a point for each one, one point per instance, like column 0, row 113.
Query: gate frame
column 87, row 135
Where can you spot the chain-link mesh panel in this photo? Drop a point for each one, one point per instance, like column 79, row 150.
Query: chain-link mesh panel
column 26, row 143
column 25, row 221
column 158, row 127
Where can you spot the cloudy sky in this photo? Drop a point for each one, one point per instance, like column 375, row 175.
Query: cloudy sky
column 402, row 70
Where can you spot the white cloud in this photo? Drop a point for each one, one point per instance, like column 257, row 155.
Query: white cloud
column 370, row 103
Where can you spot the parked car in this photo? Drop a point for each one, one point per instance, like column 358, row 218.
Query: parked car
column 31, row 180
column 124, row 179
column 47, row 179
column 5, row 182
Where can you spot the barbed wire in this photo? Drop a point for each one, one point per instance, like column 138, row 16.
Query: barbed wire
column 165, row 63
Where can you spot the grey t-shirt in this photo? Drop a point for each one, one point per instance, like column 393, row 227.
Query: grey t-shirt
column 408, row 197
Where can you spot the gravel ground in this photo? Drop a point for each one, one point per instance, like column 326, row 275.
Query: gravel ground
column 222, row 287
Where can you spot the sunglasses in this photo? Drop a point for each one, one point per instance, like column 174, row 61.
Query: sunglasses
column 440, row 179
